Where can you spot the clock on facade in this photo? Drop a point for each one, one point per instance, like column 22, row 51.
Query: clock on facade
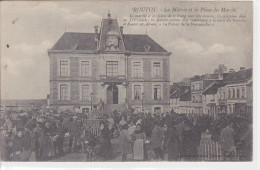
column 112, row 40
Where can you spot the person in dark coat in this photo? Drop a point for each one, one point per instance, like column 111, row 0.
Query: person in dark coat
column 188, row 141
column 156, row 140
column 116, row 117
column 20, row 123
column 106, row 148
column 27, row 143
column 4, row 145
column 18, row 147
column 48, row 147
column 37, row 140
column 180, row 128
column 31, row 123
column 74, row 131
column 59, row 132
column 171, row 142
column 147, row 124
column 246, row 144
column 195, row 138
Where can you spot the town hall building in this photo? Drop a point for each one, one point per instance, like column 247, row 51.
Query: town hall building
column 111, row 67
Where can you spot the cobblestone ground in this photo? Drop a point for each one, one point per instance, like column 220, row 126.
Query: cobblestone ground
column 79, row 157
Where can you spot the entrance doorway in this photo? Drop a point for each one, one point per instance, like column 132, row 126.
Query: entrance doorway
column 112, row 94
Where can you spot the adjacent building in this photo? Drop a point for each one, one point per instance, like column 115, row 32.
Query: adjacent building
column 180, row 101
column 239, row 90
column 22, row 104
column 214, row 99
column 198, row 85
column 109, row 67
column 215, row 94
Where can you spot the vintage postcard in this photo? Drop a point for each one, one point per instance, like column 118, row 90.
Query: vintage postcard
column 131, row 81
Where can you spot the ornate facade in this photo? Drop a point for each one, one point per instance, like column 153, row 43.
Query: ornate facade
column 109, row 66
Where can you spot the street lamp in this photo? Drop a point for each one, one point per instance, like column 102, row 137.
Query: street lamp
column 91, row 97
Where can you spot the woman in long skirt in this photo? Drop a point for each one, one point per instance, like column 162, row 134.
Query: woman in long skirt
column 139, row 150
column 124, row 139
column 106, row 148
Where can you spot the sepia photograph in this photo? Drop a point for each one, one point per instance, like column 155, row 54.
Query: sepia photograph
column 126, row 81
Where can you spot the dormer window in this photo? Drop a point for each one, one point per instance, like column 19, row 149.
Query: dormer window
column 74, row 47
column 147, row 48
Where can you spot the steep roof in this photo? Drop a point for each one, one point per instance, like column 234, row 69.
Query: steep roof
column 195, row 78
column 239, row 76
column 84, row 41
column 97, row 41
column 138, row 43
column 207, row 83
column 174, row 91
column 182, row 92
column 213, row 88
column 186, row 96
column 205, row 77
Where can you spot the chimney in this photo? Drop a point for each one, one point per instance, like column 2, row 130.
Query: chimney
column 231, row 70
column 121, row 30
column 109, row 17
column 242, row 68
column 96, row 32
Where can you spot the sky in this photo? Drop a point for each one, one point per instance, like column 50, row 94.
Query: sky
column 31, row 28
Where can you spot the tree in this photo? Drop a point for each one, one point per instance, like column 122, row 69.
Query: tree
column 221, row 69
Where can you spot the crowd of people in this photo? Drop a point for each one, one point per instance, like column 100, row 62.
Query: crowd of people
column 41, row 136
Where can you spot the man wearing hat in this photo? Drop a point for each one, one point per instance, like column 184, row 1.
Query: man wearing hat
column 94, row 113
column 4, row 147
column 8, row 123
column 59, row 138
column 37, row 140
column 74, row 132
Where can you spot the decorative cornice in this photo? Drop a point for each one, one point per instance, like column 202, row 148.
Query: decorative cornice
column 109, row 52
